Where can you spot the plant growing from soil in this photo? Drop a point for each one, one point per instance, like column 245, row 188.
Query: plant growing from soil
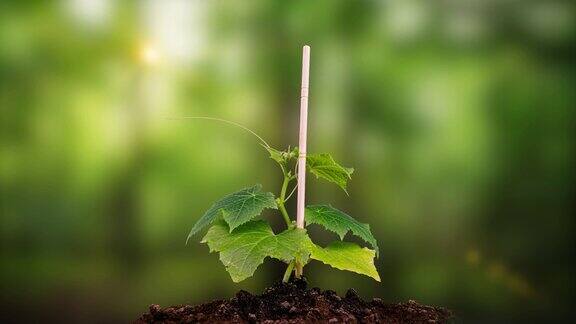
column 244, row 242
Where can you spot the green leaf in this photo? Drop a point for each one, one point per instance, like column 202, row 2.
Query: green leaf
column 243, row 250
column 237, row 208
column 339, row 222
column 292, row 243
column 275, row 154
column 323, row 166
column 346, row 256
column 282, row 157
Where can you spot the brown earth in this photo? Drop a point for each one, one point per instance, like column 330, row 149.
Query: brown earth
column 293, row 303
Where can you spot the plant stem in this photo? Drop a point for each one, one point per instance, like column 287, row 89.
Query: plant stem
column 288, row 272
column 299, row 269
column 282, row 200
column 282, row 207
column 285, row 214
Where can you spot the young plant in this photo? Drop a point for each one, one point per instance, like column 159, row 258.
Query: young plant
column 244, row 243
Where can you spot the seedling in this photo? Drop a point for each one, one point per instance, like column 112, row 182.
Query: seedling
column 244, row 242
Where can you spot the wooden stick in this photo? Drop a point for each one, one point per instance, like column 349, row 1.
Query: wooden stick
column 302, row 138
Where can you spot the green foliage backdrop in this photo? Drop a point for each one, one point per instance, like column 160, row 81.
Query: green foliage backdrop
column 457, row 116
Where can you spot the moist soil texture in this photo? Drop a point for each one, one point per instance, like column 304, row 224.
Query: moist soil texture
column 293, row 303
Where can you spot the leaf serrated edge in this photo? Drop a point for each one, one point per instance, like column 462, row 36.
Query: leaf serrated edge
column 375, row 275
column 349, row 230
column 289, row 246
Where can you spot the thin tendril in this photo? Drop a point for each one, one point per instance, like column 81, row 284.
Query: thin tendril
column 290, row 195
column 295, row 175
column 225, row 121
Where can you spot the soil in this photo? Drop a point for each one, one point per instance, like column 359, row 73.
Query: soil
column 293, row 303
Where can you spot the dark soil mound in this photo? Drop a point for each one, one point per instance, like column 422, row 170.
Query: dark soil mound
column 293, row 303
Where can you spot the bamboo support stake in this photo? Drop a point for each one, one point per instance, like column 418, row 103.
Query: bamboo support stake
column 302, row 137
column 302, row 147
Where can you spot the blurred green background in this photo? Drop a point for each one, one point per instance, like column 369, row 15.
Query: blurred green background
column 457, row 115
